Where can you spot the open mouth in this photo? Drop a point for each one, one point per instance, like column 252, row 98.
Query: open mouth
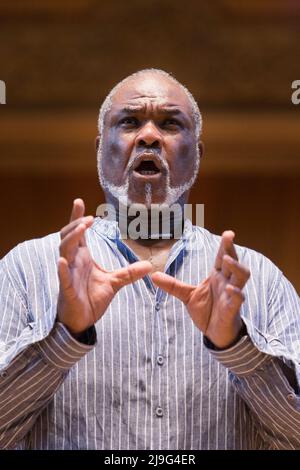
column 147, row 168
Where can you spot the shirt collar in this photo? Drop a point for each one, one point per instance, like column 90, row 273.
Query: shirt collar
column 110, row 229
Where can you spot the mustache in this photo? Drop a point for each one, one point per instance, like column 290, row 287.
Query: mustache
column 153, row 153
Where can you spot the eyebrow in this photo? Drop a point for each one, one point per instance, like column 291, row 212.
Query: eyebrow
column 164, row 110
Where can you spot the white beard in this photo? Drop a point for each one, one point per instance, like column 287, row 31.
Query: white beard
column 173, row 193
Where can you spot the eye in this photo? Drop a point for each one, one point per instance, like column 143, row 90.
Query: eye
column 171, row 123
column 129, row 122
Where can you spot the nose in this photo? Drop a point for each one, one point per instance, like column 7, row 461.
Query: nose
column 149, row 136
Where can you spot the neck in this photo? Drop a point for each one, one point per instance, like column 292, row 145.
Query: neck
column 159, row 222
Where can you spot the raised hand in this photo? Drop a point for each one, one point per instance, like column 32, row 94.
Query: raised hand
column 215, row 303
column 86, row 289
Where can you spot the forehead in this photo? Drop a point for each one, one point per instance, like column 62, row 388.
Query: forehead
column 152, row 88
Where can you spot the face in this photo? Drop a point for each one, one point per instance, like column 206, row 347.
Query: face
column 148, row 151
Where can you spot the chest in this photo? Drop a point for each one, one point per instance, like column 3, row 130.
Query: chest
column 158, row 256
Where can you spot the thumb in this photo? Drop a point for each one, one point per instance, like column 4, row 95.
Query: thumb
column 133, row 272
column 174, row 287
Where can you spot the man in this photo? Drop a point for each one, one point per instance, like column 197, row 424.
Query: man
column 102, row 349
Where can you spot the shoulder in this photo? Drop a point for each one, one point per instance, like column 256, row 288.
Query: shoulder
column 265, row 282
column 26, row 262
column 261, row 266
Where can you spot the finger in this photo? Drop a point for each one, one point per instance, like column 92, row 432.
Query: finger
column 88, row 221
column 64, row 274
column 226, row 247
column 239, row 273
column 130, row 274
column 77, row 210
column 235, row 298
column 173, row 286
column 225, row 269
column 70, row 244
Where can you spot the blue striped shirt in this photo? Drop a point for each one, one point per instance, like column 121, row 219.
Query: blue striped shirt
column 150, row 381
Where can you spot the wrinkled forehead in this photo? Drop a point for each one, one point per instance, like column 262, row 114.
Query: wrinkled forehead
column 151, row 89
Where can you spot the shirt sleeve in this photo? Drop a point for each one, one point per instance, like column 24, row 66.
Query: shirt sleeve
column 30, row 381
column 34, row 360
column 259, row 376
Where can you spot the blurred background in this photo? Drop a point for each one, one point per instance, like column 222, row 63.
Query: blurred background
column 59, row 59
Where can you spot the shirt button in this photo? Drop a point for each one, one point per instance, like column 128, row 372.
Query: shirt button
column 159, row 412
column 160, row 360
column 3, row 374
column 291, row 396
column 157, row 306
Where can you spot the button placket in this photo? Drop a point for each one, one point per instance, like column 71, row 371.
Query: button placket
column 160, row 359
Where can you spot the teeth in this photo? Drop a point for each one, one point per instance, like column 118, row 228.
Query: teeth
column 145, row 172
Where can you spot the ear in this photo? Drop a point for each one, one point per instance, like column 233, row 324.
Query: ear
column 201, row 148
column 97, row 142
